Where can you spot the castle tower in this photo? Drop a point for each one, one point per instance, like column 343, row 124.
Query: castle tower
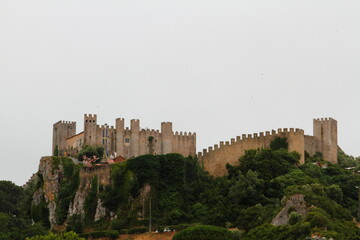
column 166, row 137
column 61, row 131
column 120, row 125
column 90, row 127
column 325, row 133
column 134, row 137
column 193, row 145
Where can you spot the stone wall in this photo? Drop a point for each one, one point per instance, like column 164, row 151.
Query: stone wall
column 62, row 130
column 325, row 133
column 128, row 142
column 214, row 159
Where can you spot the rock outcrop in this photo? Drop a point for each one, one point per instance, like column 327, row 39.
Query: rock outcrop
column 296, row 203
column 50, row 186
column 50, row 174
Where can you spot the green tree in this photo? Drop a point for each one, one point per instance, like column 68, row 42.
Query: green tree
column 247, row 190
column 269, row 163
column 254, row 216
column 279, row 143
column 204, row 232
column 10, row 197
column 90, row 151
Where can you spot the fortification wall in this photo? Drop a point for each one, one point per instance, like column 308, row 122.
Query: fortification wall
column 150, row 147
column 214, row 159
column 102, row 172
column 129, row 142
column 184, row 143
column 311, row 144
column 62, row 130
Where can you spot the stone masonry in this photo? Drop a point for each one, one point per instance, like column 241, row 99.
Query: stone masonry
column 324, row 140
column 121, row 141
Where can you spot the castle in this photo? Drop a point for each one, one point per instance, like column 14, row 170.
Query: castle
column 121, row 141
column 133, row 142
column 324, row 140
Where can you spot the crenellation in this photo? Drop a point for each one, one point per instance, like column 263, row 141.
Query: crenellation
column 132, row 142
column 324, row 140
column 120, row 141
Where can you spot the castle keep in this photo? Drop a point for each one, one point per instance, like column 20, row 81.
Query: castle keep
column 121, row 141
column 324, row 140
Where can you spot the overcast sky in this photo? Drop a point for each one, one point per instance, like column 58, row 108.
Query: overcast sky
column 217, row 68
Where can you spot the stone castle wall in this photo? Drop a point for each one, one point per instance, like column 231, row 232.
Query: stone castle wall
column 62, row 130
column 214, row 159
column 126, row 142
column 325, row 134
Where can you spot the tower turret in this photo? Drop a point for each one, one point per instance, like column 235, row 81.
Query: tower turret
column 90, row 124
column 166, row 137
column 325, row 133
column 134, row 137
column 120, row 126
column 61, row 131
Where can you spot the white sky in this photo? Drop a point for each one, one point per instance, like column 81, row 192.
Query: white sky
column 219, row 68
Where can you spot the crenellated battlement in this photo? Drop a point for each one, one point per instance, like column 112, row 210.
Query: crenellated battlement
column 214, row 158
column 185, row 134
column 90, row 116
column 105, row 126
column 324, row 120
column 127, row 142
column 67, row 122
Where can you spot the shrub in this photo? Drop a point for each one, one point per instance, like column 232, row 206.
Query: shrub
column 204, row 232
column 137, row 230
column 294, row 218
column 62, row 236
column 279, row 143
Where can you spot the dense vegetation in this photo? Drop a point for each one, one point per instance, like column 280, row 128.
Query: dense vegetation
column 180, row 193
column 15, row 222
column 203, row 232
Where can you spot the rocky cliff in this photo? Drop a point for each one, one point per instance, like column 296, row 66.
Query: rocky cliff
column 64, row 189
column 53, row 182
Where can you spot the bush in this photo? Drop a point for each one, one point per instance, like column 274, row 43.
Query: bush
column 112, row 234
column 62, row 236
column 137, row 230
column 279, row 143
column 294, row 218
column 90, row 151
column 204, row 232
